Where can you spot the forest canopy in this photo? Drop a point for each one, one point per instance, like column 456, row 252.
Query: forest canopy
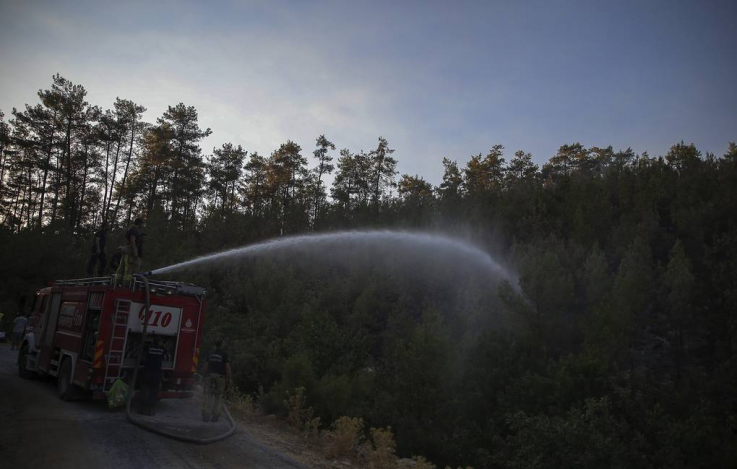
column 616, row 347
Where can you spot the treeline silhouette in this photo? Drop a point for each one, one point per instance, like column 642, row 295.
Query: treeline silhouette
column 617, row 348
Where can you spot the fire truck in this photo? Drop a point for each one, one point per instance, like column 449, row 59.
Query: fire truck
column 87, row 333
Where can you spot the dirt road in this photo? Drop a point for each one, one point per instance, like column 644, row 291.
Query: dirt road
column 37, row 429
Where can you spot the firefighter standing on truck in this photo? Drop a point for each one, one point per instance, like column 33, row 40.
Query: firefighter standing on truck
column 132, row 251
column 217, row 376
column 98, row 252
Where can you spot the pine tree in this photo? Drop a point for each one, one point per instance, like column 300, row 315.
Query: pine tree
column 286, row 179
column 568, row 159
column 415, row 189
column 130, row 114
column 225, row 169
column 4, row 145
column 452, row 180
column 682, row 157
column 324, row 166
column 632, row 302
column 37, row 128
column 679, row 285
column 487, row 173
column 254, row 187
column 183, row 164
column 351, row 186
column 383, row 170
column 521, row 168
column 731, row 152
column 70, row 106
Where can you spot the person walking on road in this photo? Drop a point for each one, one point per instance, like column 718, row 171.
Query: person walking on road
column 132, row 253
column 98, row 252
column 217, row 376
column 19, row 328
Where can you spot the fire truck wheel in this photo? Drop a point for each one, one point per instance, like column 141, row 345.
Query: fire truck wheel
column 23, row 372
column 64, row 385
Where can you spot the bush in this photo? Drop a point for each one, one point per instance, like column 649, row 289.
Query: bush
column 344, row 438
column 422, row 463
column 299, row 415
column 239, row 403
column 382, row 456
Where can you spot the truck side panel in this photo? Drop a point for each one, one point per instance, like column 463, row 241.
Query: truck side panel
column 70, row 323
column 176, row 320
column 48, row 321
column 79, row 321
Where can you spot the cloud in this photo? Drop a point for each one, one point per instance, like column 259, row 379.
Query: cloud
column 435, row 81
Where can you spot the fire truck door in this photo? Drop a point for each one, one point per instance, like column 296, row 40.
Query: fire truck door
column 47, row 334
column 39, row 312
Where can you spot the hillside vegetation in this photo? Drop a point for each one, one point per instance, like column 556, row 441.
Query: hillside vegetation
column 616, row 348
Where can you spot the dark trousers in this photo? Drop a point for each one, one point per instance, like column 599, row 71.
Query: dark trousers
column 94, row 258
column 150, row 393
column 214, row 390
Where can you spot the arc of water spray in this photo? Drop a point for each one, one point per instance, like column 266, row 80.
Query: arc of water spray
column 430, row 240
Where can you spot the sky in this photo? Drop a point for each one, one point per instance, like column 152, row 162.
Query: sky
column 436, row 79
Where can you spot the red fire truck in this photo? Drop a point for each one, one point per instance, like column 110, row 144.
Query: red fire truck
column 87, row 333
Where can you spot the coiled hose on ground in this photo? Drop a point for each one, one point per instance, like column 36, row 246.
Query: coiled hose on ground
column 136, row 421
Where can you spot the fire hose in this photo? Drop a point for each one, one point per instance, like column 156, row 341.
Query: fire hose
column 148, row 426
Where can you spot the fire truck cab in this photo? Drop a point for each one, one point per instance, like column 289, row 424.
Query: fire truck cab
column 87, row 332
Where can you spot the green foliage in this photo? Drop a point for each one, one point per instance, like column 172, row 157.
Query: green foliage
column 382, row 453
column 586, row 436
column 344, row 438
column 299, row 415
column 615, row 345
column 422, row 463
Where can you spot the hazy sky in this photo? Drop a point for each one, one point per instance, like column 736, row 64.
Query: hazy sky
column 437, row 79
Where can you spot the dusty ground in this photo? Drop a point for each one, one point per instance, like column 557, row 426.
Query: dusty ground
column 37, row 429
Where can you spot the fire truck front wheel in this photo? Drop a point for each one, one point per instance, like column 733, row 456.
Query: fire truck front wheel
column 64, row 385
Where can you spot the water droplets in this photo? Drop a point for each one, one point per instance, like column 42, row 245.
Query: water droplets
column 402, row 241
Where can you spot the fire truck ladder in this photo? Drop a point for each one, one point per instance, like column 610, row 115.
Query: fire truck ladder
column 118, row 340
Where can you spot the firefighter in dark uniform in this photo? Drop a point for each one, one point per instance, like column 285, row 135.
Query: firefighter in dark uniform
column 98, row 252
column 217, row 376
column 151, row 383
column 132, row 252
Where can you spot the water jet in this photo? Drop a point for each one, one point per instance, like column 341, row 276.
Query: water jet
column 402, row 239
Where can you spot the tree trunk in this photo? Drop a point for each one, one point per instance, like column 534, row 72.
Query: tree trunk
column 112, row 184
column 107, row 177
column 232, row 197
column 69, row 201
column 46, row 173
column 152, row 192
column 15, row 208
column 2, row 167
column 84, row 187
column 175, row 179
column 30, row 196
column 376, row 189
column 22, row 207
column 36, row 195
column 55, row 203
column 257, row 198
column 125, row 172
column 317, row 194
column 130, row 211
